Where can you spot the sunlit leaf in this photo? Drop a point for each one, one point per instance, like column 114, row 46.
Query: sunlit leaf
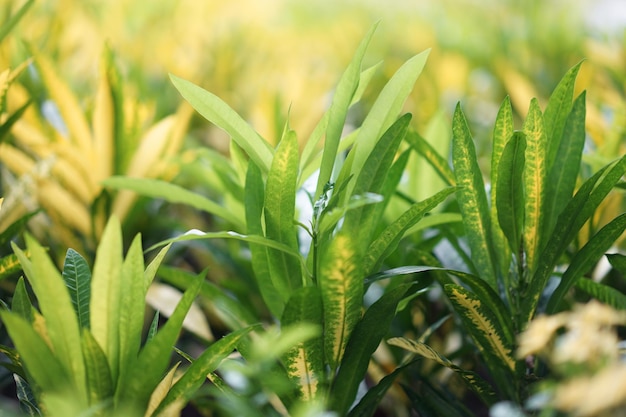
column 217, row 111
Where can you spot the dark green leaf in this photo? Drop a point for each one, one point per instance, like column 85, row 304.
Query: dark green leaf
column 21, row 304
column 364, row 340
column 510, row 197
column 586, row 259
column 77, row 276
column 603, row 293
column 565, row 168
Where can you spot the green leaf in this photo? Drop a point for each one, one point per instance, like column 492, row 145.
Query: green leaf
column 474, row 381
column 338, row 111
column 618, row 262
column 385, row 109
column 603, row 293
column 472, row 198
column 510, row 194
column 77, row 278
column 56, row 307
column 575, row 214
column 154, row 326
column 565, row 168
column 21, row 304
column 371, row 177
column 438, row 162
column 490, row 339
column 106, row 285
column 100, row 386
column 586, row 259
column 305, row 361
column 387, row 241
column 368, row 404
column 341, row 284
column 153, row 266
column 280, row 198
column 556, row 114
column 6, row 126
column 193, row 378
column 153, row 359
column 43, row 366
column 364, row 340
column 502, row 134
column 535, row 177
column 132, row 305
column 171, row 193
column 195, row 234
column 218, row 112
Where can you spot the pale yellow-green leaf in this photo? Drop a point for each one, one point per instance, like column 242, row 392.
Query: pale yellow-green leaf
column 104, row 126
column 300, row 367
column 161, row 390
column 472, row 308
column 106, row 287
column 71, row 111
column 66, row 208
column 165, row 298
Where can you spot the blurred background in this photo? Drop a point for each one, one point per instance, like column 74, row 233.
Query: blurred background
column 268, row 54
column 102, row 69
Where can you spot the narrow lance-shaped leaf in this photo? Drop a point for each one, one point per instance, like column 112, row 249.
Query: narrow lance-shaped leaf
column 587, row 258
column 338, row 111
column 438, row 162
column 193, row 378
column 217, row 111
column 10, row 23
column 100, row 386
column 575, row 214
column 21, row 304
column 364, row 340
column 55, row 305
column 556, row 114
column 608, row 295
column 305, row 361
column 510, row 198
column 43, row 366
column 254, row 198
column 388, row 240
column 565, row 168
column 280, row 199
column 472, row 198
column 154, row 357
column 385, row 109
column 341, row 283
column 371, row 177
column 132, row 306
column 77, row 276
column 535, row 177
column 473, row 380
column 172, row 193
column 106, row 283
column 502, row 133
column 484, row 329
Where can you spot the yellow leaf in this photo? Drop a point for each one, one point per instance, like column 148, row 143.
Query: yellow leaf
column 72, row 113
column 160, row 392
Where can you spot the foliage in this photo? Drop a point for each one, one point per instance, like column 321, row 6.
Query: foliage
column 320, row 281
column 80, row 350
column 526, row 229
